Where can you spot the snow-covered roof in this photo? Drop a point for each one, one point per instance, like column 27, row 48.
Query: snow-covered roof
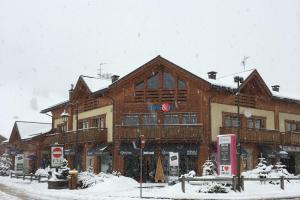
column 30, row 129
column 228, row 80
column 96, row 84
column 286, row 96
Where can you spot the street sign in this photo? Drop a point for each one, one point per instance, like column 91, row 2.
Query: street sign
column 57, row 156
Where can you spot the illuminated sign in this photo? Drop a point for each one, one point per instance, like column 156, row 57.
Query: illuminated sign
column 166, row 107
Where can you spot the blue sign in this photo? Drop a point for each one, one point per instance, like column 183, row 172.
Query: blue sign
column 166, row 107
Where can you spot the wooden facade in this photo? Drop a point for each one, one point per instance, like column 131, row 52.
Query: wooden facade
column 174, row 110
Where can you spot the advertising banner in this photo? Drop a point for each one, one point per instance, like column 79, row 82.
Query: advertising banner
column 57, row 156
column 226, row 155
column 19, row 163
column 173, row 167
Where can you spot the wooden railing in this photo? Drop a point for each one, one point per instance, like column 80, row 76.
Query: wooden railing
column 160, row 95
column 192, row 132
column 87, row 135
column 264, row 136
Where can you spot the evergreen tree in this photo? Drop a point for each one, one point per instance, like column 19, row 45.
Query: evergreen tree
column 5, row 164
column 209, row 168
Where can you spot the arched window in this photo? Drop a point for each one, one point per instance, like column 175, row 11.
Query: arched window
column 169, row 81
column 153, row 82
column 181, row 84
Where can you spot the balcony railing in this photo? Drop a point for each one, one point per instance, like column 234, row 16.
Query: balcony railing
column 264, row 136
column 84, row 136
column 190, row 132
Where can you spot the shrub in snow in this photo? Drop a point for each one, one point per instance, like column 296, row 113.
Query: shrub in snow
column 43, row 172
column 262, row 170
column 214, row 188
column 88, row 179
column 5, row 164
column 209, row 168
column 116, row 173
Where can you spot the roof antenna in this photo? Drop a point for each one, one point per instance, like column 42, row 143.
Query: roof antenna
column 103, row 75
column 244, row 61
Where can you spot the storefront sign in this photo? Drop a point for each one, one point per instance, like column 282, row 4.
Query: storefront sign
column 166, row 107
column 226, row 155
column 57, row 156
column 19, row 163
column 173, row 167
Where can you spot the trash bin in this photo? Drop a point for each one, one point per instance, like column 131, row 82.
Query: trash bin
column 73, row 179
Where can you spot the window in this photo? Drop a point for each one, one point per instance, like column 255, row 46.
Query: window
column 62, row 127
column 153, row 82
column 169, row 81
column 140, row 85
column 85, row 125
column 131, row 120
column 293, row 126
column 99, row 122
column 230, row 120
column 149, row 119
column 181, row 84
column 189, row 118
column 171, row 119
column 256, row 122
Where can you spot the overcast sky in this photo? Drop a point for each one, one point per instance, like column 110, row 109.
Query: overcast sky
column 46, row 45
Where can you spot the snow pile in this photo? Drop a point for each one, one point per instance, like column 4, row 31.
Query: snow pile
column 88, row 179
column 42, row 172
column 5, row 164
column 213, row 187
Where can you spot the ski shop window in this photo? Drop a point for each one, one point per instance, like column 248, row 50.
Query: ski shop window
column 149, row 119
column 189, row 118
column 171, row 118
column 230, row 120
column 153, row 82
column 169, row 81
column 256, row 122
column 131, row 120
column 292, row 126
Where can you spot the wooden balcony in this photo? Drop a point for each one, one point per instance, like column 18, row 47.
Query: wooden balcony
column 191, row 132
column 84, row 136
column 264, row 136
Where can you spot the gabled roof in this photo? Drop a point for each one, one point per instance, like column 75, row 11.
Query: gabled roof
column 58, row 105
column 28, row 130
column 2, row 138
column 159, row 59
column 95, row 84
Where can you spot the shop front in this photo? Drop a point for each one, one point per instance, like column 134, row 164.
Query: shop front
column 99, row 158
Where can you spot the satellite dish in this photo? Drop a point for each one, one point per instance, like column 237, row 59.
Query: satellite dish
column 247, row 113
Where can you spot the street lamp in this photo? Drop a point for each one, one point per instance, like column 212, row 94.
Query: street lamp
column 238, row 80
column 65, row 116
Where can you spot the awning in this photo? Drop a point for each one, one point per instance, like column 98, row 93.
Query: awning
column 182, row 149
column 127, row 149
column 69, row 152
column 98, row 150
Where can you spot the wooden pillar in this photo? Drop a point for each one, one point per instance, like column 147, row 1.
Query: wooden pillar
column 118, row 160
column 202, row 157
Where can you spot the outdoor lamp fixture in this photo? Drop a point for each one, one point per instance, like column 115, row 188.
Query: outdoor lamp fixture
column 65, row 116
column 239, row 80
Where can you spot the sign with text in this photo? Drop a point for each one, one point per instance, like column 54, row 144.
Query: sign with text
column 173, row 167
column 226, row 155
column 165, row 107
column 19, row 163
column 57, row 156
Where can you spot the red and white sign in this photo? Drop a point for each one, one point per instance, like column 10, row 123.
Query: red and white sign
column 57, row 156
column 165, row 107
column 226, row 154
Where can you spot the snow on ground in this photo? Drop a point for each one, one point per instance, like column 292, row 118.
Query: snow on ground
column 7, row 196
column 114, row 187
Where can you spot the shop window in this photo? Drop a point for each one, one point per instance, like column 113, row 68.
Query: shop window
column 131, row 120
column 153, row 82
column 171, row 119
column 149, row 119
column 140, row 85
column 230, row 120
column 189, row 118
column 169, row 81
column 257, row 123
column 181, row 84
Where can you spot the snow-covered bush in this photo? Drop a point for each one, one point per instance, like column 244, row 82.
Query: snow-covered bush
column 5, row 164
column 88, row 179
column 209, row 168
column 213, row 188
column 42, row 172
column 262, row 170
column 190, row 174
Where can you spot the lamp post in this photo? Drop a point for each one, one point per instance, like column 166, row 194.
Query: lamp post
column 65, row 116
column 238, row 80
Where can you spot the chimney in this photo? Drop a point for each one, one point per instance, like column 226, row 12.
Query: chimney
column 212, row 75
column 114, row 78
column 275, row 88
column 71, row 91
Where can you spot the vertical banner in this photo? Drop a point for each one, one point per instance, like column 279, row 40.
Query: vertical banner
column 226, row 154
column 19, row 163
column 57, row 156
column 173, row 167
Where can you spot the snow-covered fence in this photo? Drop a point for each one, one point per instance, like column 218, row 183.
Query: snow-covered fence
column 30, row 177
column 234, row 180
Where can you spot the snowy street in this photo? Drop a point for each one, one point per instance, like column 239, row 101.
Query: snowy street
column 126, row 188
